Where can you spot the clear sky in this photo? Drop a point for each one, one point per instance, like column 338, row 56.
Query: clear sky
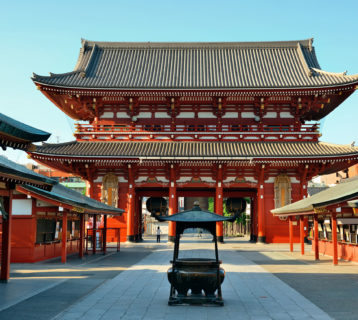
column 44, row 36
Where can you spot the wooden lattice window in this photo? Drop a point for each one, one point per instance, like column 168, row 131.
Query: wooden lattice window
column 282, row 190
column 110, row 190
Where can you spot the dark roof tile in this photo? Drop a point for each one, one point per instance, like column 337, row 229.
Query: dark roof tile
column 185, row 150
column 231, row 65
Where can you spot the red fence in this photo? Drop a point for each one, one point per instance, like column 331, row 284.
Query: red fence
column 120, row 128
column 112, row 239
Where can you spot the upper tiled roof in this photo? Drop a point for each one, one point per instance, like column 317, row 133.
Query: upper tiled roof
column 192, row 150
column 19, row 135
column 201, row 65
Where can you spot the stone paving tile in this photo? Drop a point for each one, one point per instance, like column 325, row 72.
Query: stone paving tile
column 141, row 292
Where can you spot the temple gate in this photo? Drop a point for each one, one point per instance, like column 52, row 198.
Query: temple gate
column 198, row 119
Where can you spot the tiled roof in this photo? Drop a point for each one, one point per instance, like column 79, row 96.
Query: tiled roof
column 339, row 193
column 73, row 198
column 127, row 65
column 192, row 150
column 195, row 215
column 18, row 135
column 12, row 171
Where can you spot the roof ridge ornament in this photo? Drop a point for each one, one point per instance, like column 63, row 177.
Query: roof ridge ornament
column 303, row 60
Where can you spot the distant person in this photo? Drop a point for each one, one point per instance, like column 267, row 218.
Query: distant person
column 158, row 234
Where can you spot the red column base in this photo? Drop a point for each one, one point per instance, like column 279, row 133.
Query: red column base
column 130, row 238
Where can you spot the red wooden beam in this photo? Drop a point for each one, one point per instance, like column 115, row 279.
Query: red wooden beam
column 290, row 231
column 82, row 235
column 173, row 202
column 64, row 238
column 105, row 234
column 334, row 239
column 316, row 243
column 302, row 234
column 219, row 202
column 261, row 236
column 6, row 239
column 94, row 234
column 130, row 204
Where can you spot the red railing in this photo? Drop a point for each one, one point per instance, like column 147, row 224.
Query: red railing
column 113, row 235
column 180, row 128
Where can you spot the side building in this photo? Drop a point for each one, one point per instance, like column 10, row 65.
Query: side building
column 198, row 119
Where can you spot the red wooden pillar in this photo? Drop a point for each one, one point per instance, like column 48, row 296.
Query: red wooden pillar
column 261, row 232
column 137, row 217
column 219, row 203
column 104, row 234
column 64, row 237
column 302, row 234
column 252, row 220
column 82, row 235
column 334, row 238
column 6, row 239
column 173, row 202
column 290, row 232
column 130, row 205
column 94, row 234
column 316, row 243
column 304, row 195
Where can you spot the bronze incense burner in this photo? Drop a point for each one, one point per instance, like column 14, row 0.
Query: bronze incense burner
column 196, row 280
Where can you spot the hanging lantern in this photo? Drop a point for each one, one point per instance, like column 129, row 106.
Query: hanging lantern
column 157, row 206
column 235, row 206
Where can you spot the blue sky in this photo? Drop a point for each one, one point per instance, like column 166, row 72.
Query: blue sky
column 44, row 36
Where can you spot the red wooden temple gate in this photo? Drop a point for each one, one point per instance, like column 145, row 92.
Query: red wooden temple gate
column 198, row 119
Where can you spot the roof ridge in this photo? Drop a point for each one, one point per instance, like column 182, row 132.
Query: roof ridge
column 176, row 45
column 303, row 60
column 52, row 75
column 344, row 73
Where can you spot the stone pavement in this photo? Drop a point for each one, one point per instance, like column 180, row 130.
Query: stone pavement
column 262, row 282
column 141, row 292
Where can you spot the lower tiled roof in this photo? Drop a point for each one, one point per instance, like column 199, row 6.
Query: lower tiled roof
column 12, row 171
column 192, row 150
column 73, row 198
column 18, row 135
column 340, row 193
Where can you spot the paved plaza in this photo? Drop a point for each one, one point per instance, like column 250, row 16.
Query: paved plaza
column 262, row 282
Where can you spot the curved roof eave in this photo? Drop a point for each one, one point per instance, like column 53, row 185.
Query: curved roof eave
column 335, row 85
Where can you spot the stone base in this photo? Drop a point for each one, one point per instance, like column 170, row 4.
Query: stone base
column 130, row 238
column 261, row 239
column 220, row 239
column 171, row 238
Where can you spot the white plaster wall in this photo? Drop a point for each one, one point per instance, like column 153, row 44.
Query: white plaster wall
column 144, row 115
column 122, row 115
column 231, row 115
column 161, row 115
column 286, row 115
column 21, row 207
column 206, row 115
column 107, row 115
column 186, row 115
column 247, row 115
column 184, row 179
column 270, row 115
